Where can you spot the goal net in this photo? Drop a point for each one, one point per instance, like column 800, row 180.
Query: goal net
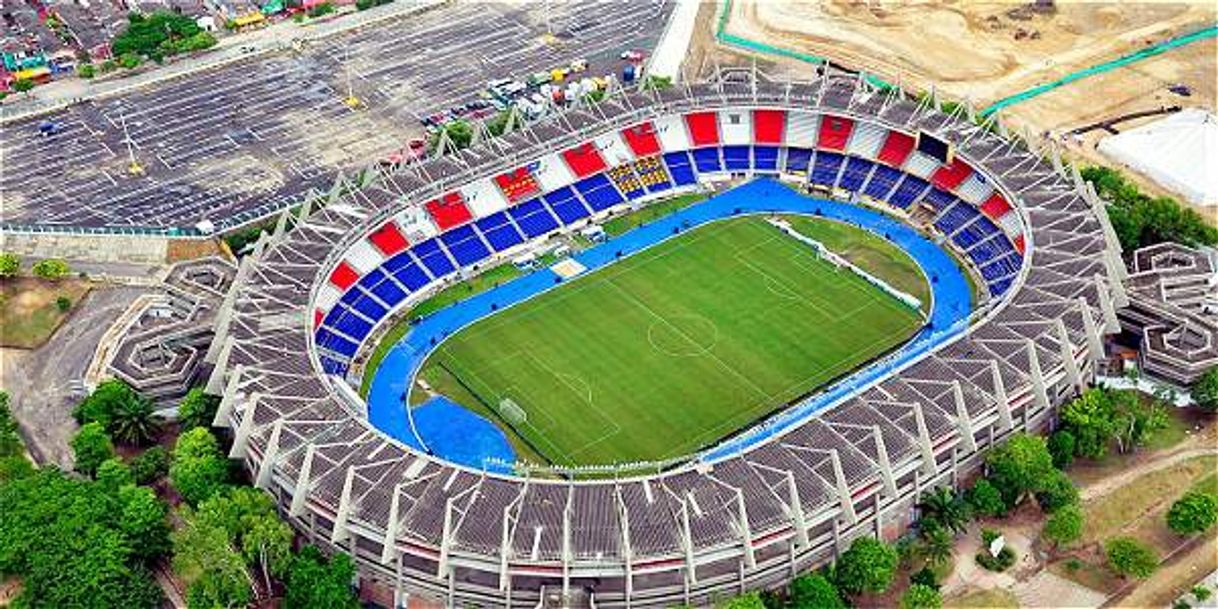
column 512, row 412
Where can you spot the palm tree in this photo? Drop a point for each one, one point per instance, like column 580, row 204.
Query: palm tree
column 945, row 508
column 134, row 422
column 937, row 543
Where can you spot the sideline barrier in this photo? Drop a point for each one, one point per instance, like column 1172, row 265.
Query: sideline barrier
column 950, row 309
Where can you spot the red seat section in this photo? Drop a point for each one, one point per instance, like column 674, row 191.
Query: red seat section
column 768, row 126
column 584, row 160
column 642, row 139
column 388, row 239
column 995, row 207
column 343, row 276
column 1019, row 244
column 518, row 184
column 834, row 132
column 318, row 315
column 896, row 148
column 449, row 211
column 951, row 175
column 703, row 128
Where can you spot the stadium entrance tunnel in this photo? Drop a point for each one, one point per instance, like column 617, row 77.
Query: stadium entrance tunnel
column 468, row 437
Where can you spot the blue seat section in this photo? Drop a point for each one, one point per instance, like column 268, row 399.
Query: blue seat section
column 499, row 231
column 998, row 288
column 465, row 246
column 660, row 186
column 335, row 367
column 534, row 218
column 407, row 271
column 369, row 306
column 389, row 292
column 798, row 160
column 988, row 250
column 599, row 192
column 908, row 191
column 679, row 168
column 955, row 217
column 707, row 160
column 1007, row 265
column 765, row 158
column 429, row 253
column 881, row 182
column 855, row 172
column 343, row 320
column 329, row 340
column 372, row 278
column 736, row 158
column 938, row 200
column 824, row 170
column 566, row 205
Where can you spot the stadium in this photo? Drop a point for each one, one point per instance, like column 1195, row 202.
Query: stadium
column 776, row 490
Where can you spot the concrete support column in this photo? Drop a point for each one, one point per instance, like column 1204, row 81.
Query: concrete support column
column 843, row 489
column 964, row 422
column 301, row 490
column 1000, row 396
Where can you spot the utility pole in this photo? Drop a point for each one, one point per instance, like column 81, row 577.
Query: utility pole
column 133, row 166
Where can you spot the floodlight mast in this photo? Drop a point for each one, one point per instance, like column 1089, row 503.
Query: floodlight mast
column 133, row 166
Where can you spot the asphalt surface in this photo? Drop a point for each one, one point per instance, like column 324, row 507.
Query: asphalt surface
column 237, row 142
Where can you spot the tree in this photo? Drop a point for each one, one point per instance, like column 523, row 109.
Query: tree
column 1140, row 220
column 945, row 507
column 1061, row 446
column 197, row 409
column 150, row 465
column 134, row 422
column 51, row 268
column 1193, row 513
column 268, row 544
column 937, row 543
column 113, row 475
column 312, row 581
column 1056, row 492
column 15, row 468
column 214, row 573
column 752, row 600
column 1064, row 526
column 919, row 596
column 10, row 264
column 1136, row 419
column 155, row 35
column 91, row 446
column 10, row 439
column 1019, row 467
column 198, row 470
column 1091, row 419
column 23, row 85
column 1205, row 391
column 105, row 400
column 814, row 591
column 867, row 566
column 1127, row 556
column 986, row 500
column 143, row 521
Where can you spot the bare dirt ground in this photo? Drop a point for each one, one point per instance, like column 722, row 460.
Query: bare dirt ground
column 984, row 51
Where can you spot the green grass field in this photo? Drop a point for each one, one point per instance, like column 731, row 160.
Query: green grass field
column 671, row 349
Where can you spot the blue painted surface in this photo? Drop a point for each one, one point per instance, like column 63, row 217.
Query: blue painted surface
column 948, row 316
column 459, row 434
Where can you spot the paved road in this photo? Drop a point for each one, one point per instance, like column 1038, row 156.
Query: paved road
column 232, row 143
column 41, row 383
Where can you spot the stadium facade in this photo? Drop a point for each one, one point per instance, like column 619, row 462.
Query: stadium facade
column 422, row 528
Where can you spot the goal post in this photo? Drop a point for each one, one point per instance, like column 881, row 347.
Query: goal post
column 512, row 412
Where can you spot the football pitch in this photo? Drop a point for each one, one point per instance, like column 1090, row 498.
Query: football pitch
column 671, row 349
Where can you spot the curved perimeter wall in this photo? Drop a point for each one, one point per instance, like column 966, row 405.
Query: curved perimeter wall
column 420, row 526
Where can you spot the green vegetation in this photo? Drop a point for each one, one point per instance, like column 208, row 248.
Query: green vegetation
column 1128, row 556
column 321, row 10
column 90, row 447
column 1205, row 391
column 158, row 35
column 126, row 416
column 645, row 215
column 986, row 500
column 23, row 85
column 1019, row 467
column 813, row 591
column 920, row 596
column 197, row 409
column 867, row 566
column 51, row 268
column 1065, row 526
column 1140, row 220
column 363, row 5
column 10, row 264
column 86, row 70
column 1195, row 512
column 869, row 251
column 460, row 135
column 198, row 470
column 724, row 331
column 150, row 465
column 312, row 581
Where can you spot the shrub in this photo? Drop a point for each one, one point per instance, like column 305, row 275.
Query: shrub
column 1205, row 391
column 1057, row 492
column 814, row 591
column 91, row 446
column 986, row 500
column 150, row 465
column 999, row 563
column 1128, row 556
column 1061, row 448
column 197, row 409
column 10, row 264
column 1201, row 593
column 198, row 470
column 1192, row 513
column 868, row 566
column 926, row 577
column 1064, row 526
column 51, row 268
column 86, row 71
column 63, row 303
column 919, row 596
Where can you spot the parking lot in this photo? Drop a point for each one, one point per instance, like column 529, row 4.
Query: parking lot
column 231, row 144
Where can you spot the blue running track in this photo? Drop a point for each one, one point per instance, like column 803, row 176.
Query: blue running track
column 469, row 439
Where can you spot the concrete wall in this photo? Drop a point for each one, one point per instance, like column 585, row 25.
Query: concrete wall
column 140, row 249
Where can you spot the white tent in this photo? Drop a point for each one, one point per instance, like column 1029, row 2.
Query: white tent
column 1179, row 152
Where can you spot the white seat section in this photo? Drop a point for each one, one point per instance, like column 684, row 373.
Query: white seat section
column 552, row 173
column 416, row 225
column 327, row 295
column 1011, row 224
column 736, row 127
column 866, row 140
column 483, row 198
column 921, row 165
column 613, row 149
column 671, row 131
column 803, row 129
column 974, row 189
column 364, row 257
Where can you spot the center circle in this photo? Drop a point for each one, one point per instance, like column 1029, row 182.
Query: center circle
column 683, row 335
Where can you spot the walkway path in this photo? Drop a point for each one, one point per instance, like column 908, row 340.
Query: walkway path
column 1111, row 483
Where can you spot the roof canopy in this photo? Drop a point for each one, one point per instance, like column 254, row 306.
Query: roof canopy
column 1178, row 152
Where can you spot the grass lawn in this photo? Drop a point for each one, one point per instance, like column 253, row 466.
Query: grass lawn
column 978, row 599
column 671, row 349
column 869, row 251
column 654, row 211
column 28, row 310
column 1107, row 516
